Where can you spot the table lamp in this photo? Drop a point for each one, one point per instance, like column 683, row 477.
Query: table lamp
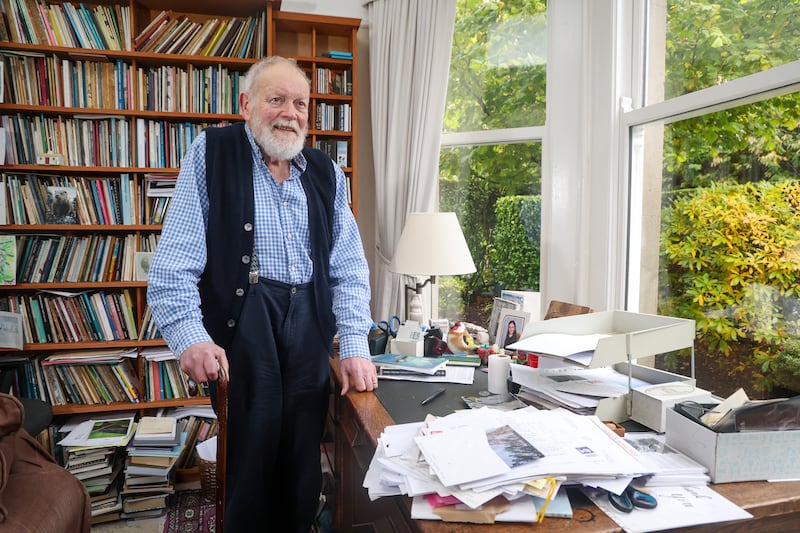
column 432, row 244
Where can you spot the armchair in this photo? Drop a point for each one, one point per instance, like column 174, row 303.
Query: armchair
column 36, row 494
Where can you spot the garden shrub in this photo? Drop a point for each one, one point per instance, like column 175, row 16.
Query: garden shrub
column 732, row 258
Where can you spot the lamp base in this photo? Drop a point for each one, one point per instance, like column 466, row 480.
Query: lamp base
column 415, row 308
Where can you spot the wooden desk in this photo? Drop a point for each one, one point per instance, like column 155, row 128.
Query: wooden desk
column 359, row 418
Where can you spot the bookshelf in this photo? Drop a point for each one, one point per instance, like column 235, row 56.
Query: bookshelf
column 100, row 102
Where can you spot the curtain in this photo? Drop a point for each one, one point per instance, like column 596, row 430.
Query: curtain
column 409, row 59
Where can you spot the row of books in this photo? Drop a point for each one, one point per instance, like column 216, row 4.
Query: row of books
column 334, row 117
column 219, row 37
column 53, row 199
column 161, row 144
column 75, row 317
column 337, row 150
column 198, row 429
column 149, row 329
column 65, row 82
column 101, row 141
column 211, row 89
column 163, row 380
column 66, row 24
column 82, row 258
column 90, row 384
column 330, row 81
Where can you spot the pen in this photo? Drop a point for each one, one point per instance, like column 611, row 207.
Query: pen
column 432, row 397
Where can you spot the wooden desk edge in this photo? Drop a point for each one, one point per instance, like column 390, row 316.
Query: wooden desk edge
column 782, row 505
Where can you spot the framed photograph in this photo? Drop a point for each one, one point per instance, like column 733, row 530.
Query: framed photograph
column 498, row 305
column 512, row 323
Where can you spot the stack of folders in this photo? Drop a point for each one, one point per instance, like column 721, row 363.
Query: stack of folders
column 150, row 466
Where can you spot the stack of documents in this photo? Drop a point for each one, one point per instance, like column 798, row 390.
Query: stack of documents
column 508, row 465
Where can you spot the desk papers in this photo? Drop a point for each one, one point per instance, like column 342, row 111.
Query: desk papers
column 677, row 507
column 453, row 456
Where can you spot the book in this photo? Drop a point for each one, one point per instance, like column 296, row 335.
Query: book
column 423, row 365
column 62, row 205
column 385, row 371
column 461, row 359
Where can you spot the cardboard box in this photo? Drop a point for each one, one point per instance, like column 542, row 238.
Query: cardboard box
column 416, row 348
column 731, row 457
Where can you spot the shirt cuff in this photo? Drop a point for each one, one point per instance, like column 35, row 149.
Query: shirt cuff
column 179, row 339
column 353, row 346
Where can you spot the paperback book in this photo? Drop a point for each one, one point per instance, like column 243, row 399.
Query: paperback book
column 423, row 365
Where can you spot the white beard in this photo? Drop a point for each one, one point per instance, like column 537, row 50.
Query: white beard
column 279, row 146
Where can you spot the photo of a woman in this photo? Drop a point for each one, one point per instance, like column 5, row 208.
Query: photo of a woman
column 512, row 335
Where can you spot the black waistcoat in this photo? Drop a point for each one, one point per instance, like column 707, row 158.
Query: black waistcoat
column 230, row 234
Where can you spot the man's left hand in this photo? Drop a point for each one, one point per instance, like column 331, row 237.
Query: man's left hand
column 359, row 373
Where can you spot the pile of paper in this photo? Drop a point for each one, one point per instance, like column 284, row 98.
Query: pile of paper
column 506, row 465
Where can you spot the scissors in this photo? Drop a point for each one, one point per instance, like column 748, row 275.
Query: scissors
column 390, row 326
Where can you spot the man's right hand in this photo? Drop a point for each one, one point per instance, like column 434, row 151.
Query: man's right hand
column 202, row 362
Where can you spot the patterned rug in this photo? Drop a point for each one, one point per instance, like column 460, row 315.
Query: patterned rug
column 190, row 512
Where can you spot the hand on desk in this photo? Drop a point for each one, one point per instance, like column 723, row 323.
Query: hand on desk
column 359, row 373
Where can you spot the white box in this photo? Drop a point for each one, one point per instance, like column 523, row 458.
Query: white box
column 742, row 456
column 416, row 348
column 650, row 403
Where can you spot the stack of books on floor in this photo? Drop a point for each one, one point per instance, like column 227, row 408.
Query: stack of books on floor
column 150, row 467
column 93, row 450
column 99, row 470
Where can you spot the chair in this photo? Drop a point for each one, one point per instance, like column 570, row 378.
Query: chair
column 36, row 494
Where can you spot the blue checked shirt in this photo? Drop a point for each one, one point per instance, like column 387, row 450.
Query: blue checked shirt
column 283, row 250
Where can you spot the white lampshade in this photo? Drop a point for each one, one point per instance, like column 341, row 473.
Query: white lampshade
column 432, row 244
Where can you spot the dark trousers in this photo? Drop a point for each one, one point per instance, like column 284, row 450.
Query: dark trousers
column 277, row 403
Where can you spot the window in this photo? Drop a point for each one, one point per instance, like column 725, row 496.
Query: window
column 490, row 162
column 714, row 231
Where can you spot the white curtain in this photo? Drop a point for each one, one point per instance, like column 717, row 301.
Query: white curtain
column 409, row 60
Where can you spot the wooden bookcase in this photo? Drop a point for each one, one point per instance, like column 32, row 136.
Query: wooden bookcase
column 101, row 120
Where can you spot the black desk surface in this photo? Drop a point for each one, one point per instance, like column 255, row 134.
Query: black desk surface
column 401, row 398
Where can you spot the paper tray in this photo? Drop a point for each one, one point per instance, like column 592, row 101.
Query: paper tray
column 629, row 335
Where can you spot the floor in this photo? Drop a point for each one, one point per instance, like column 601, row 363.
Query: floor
column 155, row 525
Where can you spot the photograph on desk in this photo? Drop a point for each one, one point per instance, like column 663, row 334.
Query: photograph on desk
column 512, row 323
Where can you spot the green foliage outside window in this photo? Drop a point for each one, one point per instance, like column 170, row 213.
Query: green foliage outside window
column 514, row 252
column 732, row 255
